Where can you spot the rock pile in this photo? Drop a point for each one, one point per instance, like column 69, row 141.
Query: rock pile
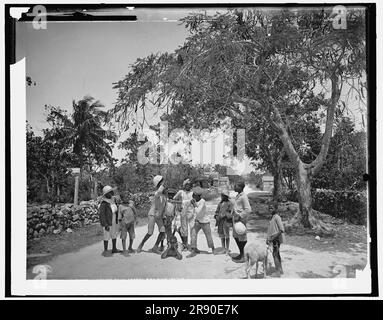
column 45, row 219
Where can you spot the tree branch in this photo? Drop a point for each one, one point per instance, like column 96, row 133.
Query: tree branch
column 335, row 94
column 284, row 136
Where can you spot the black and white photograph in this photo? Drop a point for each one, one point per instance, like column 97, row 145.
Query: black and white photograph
column 174, row 149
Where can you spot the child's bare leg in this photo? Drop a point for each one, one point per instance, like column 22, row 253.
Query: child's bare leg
column 131, row 245
column 125, row 253
column 227, row 245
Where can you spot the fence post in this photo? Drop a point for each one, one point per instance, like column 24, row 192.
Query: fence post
column 76, row 190
column 76, row 173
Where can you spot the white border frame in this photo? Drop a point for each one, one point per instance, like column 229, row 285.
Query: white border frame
column 21, row 286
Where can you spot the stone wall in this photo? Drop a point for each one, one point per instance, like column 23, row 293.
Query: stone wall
column 45, row 219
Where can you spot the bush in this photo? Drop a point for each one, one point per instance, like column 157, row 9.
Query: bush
column 349, row 204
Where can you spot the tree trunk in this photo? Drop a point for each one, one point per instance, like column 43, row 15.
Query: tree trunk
column 307, row 217
column 95, row 189
column 48, row 187
column 277, row 192
column 304, row 195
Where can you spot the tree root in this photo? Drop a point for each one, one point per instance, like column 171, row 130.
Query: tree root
column 317, row 226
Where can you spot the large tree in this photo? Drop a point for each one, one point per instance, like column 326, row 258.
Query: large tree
column 47, row 166
column 283, row 66
column 83, row 132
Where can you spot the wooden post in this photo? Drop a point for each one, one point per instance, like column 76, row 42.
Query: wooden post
column 76, row 173
column 76, row 179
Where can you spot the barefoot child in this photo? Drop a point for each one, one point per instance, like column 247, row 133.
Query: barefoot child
column 242, row 210
column 276, row 236
column 172, row 249
column 127, row 218
column 156, row 215
column 185, row 210
column 169, row 215
column 201, row 221
column 223, row 216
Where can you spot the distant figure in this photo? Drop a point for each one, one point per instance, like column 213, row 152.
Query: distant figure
column 276, row 236
column 224, row 218
column 109, row 219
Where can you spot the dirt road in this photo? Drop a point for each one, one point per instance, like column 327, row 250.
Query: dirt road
column 87, row 263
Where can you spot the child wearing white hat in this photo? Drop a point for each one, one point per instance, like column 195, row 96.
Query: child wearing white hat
column 156, row 214
column 109, row 219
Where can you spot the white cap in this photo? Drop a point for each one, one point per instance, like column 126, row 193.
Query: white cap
column 106, row 190
column 156, row 180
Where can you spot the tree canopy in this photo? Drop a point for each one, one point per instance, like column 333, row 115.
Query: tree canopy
column 280, row 67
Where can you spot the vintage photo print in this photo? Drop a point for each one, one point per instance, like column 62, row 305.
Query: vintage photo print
column 173, row 150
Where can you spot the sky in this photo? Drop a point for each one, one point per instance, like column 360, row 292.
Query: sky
column 70, row 60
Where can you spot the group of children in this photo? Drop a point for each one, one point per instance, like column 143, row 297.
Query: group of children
column 184, row 212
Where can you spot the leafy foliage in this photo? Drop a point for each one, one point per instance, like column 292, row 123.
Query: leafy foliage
column 72, row 140
column 346, row 160
column 47, row 166
column 82, row 132
column 346, row 204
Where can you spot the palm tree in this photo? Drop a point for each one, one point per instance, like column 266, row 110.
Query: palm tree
column 83, row 133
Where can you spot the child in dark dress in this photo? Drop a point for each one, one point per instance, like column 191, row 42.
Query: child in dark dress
column 223, row 216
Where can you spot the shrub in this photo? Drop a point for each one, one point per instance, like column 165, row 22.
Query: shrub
column 348, row 204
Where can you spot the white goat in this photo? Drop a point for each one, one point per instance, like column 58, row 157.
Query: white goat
column 255, row 252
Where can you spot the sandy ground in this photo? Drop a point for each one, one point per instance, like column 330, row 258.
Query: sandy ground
column 87, row 263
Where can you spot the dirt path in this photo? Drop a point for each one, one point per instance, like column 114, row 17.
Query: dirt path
column 298, row 261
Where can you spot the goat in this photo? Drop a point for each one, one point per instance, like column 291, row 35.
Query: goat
column 255, row 252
